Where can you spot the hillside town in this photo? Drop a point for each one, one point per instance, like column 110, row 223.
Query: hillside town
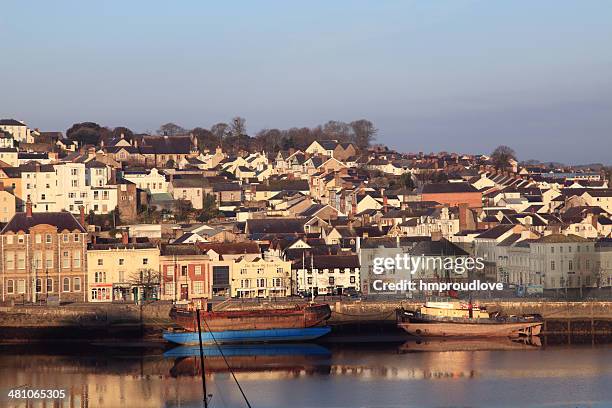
column 107, row 215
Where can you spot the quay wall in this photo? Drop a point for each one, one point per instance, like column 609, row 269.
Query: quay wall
column 346, row 311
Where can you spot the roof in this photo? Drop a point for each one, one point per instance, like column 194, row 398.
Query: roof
column 560, row 238
column 496, row 231
column 63, row 221
column 11, row 122
column 435, row 188
column 231, row 248
column 329, row 262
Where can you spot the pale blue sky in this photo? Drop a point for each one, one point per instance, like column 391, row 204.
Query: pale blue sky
column 432, row 75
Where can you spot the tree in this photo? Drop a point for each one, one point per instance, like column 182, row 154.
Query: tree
column 220, row 131
column 148, row 281
column 171, row 129
column 406, row 181
column 87, row 133
column 501, row 157
column 337, row 130
column 206, row 139
column 364, row 133
column 122, row 130
column 182, row 210
column 170, row 164
column 209, row 208
column 238, row 127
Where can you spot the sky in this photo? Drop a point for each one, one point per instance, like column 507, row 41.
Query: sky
column 456, row 75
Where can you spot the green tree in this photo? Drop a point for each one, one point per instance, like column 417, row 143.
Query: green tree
column 209, row 208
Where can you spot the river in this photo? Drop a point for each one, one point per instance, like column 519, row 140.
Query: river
column 295, row 376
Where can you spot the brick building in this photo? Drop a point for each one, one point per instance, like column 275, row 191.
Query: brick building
column 452, row 194
column 43, row 255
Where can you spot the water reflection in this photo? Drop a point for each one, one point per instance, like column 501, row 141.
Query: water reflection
column 280, row 376
column 292, row 359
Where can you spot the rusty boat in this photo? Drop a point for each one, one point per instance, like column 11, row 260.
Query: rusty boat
column 296, row 323
column 465, row 320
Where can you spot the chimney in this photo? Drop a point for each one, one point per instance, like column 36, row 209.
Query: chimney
column 125, row 239
column 385, row 200
column 82, row 215
column 463, row 217
column 29, row 208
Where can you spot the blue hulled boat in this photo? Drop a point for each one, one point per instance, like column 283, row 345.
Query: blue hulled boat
column 247, row 336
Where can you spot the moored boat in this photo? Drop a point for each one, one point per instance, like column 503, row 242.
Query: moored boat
column 454, row 319
column 296, row 323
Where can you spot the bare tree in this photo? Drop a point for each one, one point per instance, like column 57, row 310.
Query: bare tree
column 364, row 132
column 148, row 281
column 501, row 157
column 337, row 130
column 238, row 127
column 220, row 130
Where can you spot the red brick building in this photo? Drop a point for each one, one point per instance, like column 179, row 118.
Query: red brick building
column 452, row 194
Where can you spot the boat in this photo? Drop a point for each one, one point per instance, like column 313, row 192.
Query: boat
column 296, row 323
column 465, row 320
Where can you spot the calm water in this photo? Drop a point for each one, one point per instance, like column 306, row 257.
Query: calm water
column 314, row 376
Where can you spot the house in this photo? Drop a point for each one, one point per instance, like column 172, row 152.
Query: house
column 44, row 255
column 151, row 181
column 327, row 274
column 7, row 206
column 186, row 272
column 8, row 157
column 331, row 148
column 119, row 271
column 19, row 130
column 261, row 278
column 189, row 189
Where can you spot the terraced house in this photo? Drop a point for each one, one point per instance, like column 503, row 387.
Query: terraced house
column 43, row 257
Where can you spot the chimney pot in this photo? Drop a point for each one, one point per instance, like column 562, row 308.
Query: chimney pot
column 29, row 208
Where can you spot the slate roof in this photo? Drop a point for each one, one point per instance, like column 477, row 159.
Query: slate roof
column 61, row 220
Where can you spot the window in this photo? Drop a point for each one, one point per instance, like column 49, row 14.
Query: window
column 21, row 286
column 9, row 239
column 169, row 289
column 9, row 260
column 121, row 261
column 184, row 270
column 145, row 261
column 66, row 285
column 310, row 280
column 243, row 271
column 20, row 239
column 276, row 282
column 38, row 238
column 76, row 259
column 100, row 262
column 197, row 269
column 76, row 238
column 10, row 286
column 48, row 239
column 331, row 280
column 261, row 283
column 21, row 261
column 38, row 285
column 65, row 237
column 352, row 280
column 49, row 285
column 279, row 270
column 77, row 284
column 170, row 270
column 73, row 172
column 552, row 265
column 37, row 260
column 570, row 265
column 65, row 260
column 99, row 277
column 198, row 287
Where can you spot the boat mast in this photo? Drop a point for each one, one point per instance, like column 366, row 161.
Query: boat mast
column 204, row 394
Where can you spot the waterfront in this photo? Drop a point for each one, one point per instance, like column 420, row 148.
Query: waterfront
column 387, row 375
